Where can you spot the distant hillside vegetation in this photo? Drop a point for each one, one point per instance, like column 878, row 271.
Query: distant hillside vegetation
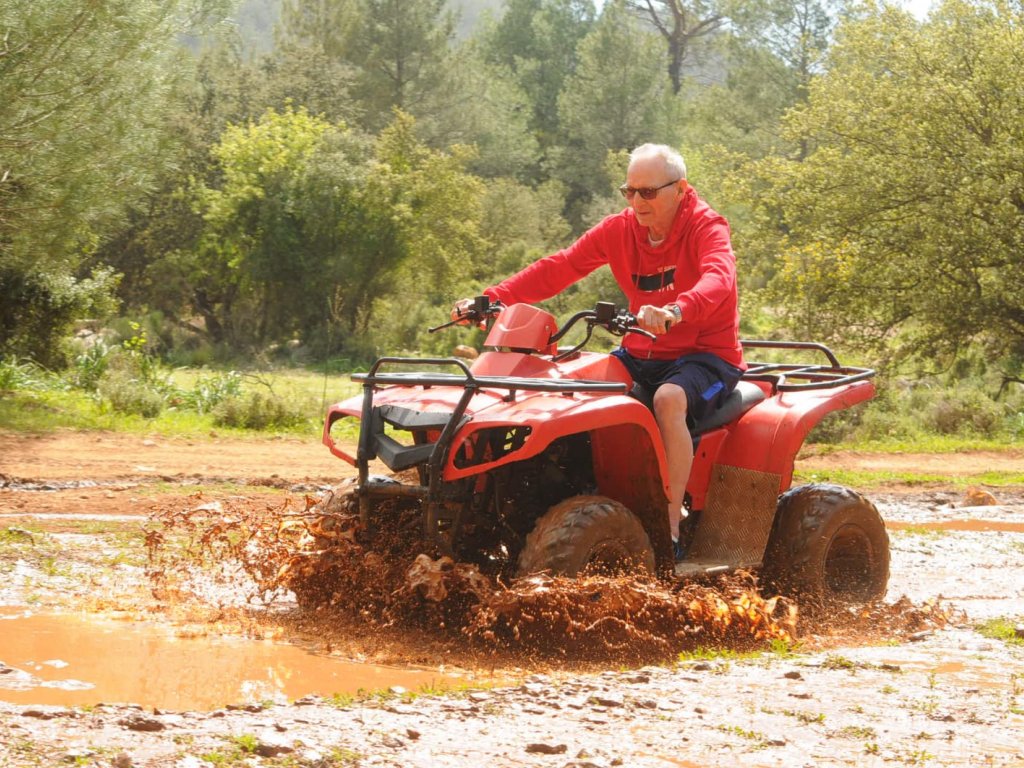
column 256, row 19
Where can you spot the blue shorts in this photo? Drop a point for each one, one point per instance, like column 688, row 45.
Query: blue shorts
column 706, row 379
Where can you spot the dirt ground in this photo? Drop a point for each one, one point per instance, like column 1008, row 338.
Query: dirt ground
column 913, row 683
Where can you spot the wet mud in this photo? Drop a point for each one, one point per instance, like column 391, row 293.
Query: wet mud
column 599, row 671
column 315, row 552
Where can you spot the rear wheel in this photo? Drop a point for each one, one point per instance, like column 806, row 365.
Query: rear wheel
column 586, row 534
column 829, row 544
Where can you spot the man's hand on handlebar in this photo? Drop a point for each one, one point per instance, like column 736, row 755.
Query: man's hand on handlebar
column 463, row 314
column 656, row 320
column 461, row 311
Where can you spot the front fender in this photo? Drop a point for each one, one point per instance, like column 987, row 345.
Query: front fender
column 550, row 417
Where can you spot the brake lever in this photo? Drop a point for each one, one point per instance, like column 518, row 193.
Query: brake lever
column 478, row 314
column 449, row 324
column 642, row 332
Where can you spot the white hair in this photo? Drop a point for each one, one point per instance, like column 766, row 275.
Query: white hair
column 674, row 162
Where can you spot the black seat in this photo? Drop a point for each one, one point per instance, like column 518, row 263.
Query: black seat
column 744, row 397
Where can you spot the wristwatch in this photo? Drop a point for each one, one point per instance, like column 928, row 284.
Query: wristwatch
column 677, row 313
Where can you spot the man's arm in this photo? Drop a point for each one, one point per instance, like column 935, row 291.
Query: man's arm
column 717, row 268
column 553, row 274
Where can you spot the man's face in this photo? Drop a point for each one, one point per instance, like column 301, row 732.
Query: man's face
column 656, row 214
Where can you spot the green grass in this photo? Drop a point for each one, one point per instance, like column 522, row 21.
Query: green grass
column 865, row 478
column 921, row 443
column 297, row 384
column 838, row 661
column 1002, row 629
column 735, row 730
column 49, row 405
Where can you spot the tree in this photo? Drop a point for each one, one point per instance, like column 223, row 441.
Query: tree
column 618, row 97
column 156, row 247
column 83, row 94
column 404, row 47
column 330, row 27
column 681, row 23
column 536, row 41
column 481, row 106
column 775, row 49
column 315, row 60
column 903, row 228
column 310, row 226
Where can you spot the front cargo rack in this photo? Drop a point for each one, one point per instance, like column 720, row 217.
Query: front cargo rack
column 782, row 375
column 374, row 443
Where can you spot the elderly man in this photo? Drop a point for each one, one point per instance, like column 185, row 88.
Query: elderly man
column 671, row 255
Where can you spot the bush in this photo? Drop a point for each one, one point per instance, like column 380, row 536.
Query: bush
column 38, row 308
column 838, row 427
column 126, row 393
column 209, row 391
column 17, row 375
column 257, row 411
column 965, row 411
column 89, row 366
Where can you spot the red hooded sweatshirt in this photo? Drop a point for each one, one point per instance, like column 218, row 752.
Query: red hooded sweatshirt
column 694, row 267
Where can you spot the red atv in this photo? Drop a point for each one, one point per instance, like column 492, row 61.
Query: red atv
column 541, row 458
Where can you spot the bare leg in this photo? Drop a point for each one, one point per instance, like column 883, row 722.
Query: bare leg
column 670, row 413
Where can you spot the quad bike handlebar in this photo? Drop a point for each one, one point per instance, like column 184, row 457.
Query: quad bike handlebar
column 615, row 320
column 480, row 311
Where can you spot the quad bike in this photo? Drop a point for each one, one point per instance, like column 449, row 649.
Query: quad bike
column 540, row 458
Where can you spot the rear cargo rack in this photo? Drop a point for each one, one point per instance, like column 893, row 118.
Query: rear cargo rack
column 794, row 377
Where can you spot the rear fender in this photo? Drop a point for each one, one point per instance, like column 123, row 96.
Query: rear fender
column 768, row 437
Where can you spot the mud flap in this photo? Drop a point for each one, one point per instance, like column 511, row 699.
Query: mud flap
column 737, row 519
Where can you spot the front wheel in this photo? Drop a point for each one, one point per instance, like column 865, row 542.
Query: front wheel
column 828, row 544
column 586, row 534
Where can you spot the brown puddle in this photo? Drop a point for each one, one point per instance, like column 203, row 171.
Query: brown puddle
column 70, row 660
column 962, row 673
column 960, row 525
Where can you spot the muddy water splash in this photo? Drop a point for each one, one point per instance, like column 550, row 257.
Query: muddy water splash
column 320, row 554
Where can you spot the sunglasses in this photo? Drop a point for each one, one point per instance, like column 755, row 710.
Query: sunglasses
column 647, row 193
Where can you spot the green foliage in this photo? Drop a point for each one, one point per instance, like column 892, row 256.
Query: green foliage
column 921, row 411
column 618, row 97
column 127, row 393
column 131, row 381
column 259, row 411
column 89, row 366
column 310, row 225
column 536, row 42
column 683, row 24
column 965, row 412
column 84, row 90
column 23, row 374
column 901, row 229
column 481, row 106
column 37, row 309
column 208, row 391
column 403, row 46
